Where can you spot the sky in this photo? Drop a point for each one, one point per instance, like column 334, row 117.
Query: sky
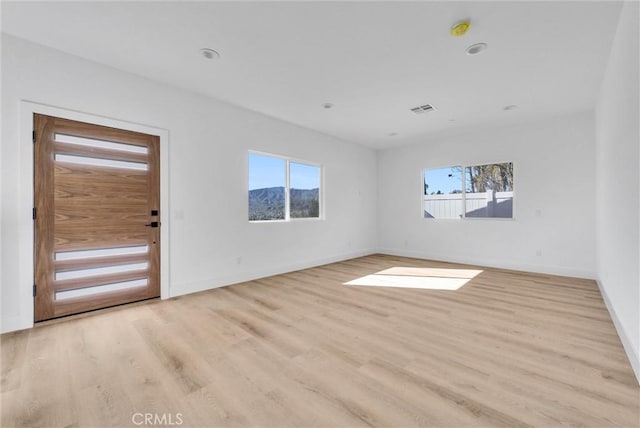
column 304, row 176
column 267, row 171
column 438, row 179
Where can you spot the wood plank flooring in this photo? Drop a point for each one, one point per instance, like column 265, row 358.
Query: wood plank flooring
column 302, row 349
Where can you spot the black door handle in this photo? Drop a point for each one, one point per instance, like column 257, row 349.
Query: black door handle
column 153, row 224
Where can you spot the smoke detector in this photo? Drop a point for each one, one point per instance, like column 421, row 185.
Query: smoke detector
column 460, row 28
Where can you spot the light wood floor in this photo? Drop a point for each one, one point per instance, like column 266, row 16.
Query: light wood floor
column 302, row 349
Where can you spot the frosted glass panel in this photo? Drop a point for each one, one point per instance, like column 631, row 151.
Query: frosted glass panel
column 90, row 142
column 100, row 162
column 74, row 255
column 83, row 273
column 68, row 294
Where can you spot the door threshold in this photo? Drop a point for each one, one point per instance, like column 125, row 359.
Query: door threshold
column 93, row 312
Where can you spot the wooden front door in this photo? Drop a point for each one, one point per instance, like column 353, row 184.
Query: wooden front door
column 97, row 201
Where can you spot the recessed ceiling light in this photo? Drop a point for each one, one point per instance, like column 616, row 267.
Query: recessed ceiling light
column 209, row 53
column 510, row 107
column 327, row 105
column 477, row 48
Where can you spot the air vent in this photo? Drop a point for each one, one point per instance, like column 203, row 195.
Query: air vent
column 423, row 109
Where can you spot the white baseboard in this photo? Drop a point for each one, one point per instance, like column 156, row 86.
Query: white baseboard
column 211, row 283
column 14, row 324
column 499, row 264
column 632, row 355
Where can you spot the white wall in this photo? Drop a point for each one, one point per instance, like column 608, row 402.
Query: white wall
column 617, row 176
column 211, row 241
column 554, row 164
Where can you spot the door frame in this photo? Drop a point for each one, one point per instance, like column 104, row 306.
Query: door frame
column 26, row 249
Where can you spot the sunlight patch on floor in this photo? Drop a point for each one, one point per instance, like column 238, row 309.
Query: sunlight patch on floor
column 424, row 278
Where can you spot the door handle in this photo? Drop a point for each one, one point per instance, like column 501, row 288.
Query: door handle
column 153, row 224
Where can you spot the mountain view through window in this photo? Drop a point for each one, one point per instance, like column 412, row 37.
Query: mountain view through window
column 269, row 196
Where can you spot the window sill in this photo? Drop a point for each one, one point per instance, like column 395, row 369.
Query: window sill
column 471, row 219
column 292, row 220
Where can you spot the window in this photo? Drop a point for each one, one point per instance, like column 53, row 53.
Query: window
column 483, row 191
column 489, row 190
column 443, row 193
column 282, row 189
column 267, row 182
column 304, row 182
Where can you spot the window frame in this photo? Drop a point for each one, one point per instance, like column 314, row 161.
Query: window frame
column 463, row 180
column 287, row 197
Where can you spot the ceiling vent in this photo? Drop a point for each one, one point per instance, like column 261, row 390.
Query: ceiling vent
column 423, row 109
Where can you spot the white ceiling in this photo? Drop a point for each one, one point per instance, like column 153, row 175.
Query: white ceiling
column 373, row 61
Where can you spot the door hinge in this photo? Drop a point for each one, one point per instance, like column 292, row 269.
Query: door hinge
column 33, row 136
column 34, row 213
column 34, row 290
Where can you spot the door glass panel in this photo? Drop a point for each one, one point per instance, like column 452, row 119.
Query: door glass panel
column 88, row 291
column 83, row 160
column 104, row 252
column 81, row 273
column 90, row 142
